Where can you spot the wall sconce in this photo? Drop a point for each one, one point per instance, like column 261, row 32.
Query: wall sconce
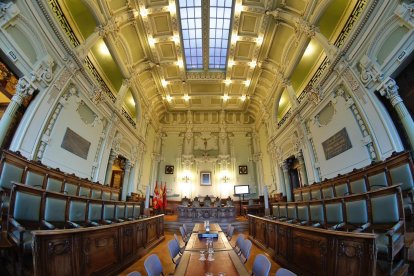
column 226, row 179
column 186, row 179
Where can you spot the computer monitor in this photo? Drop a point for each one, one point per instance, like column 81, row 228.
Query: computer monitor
column 241, row 189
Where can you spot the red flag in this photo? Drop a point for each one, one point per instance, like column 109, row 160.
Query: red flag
column 164, row 194
column 155, row 197
column 160, row 197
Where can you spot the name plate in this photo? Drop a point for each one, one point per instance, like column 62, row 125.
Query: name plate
column 208, row 235
column 336, row 144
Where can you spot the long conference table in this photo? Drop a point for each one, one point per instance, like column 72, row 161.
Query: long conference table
column 225, row 259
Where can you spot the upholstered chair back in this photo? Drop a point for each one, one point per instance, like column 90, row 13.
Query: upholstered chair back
column 115, row 196
column 120, row 211
column 328, row 192
column 261, row 265
column 306, row 195
column 109, row 211
column 77, row 211
column 137, row 211
column 334, row 213
column 95, row 212
column 316, row 194
column 129, row 210
column 402, row 174
column 282, row 211
column 10, row 173
column 275, row 210
column 153, row 265
column 358, row 186
column 184, row 202
column 298, row 196
column 27, row 207
column 84, row 191
column 385, row 209
column 303, row 213
column 291, row 212
column 54, row 185
column 34, row 179
column 377, row 181
column 317, row 214
column 196, row 203
column 217, row 203
column 96, row 194
column 341, row 189
column 55, row 209
column 229, row 203
column 106, row 195
column 207, row 203
column 70, row 189
column 356, row 212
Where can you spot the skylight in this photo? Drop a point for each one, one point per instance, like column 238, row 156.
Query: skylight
column 191, row 26
column 192, row 22
column 220, row 16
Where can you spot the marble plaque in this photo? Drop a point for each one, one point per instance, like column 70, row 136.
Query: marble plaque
column 75, row 144
column 336, row 144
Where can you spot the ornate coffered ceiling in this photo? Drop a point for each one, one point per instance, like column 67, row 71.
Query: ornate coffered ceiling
column 142, row 58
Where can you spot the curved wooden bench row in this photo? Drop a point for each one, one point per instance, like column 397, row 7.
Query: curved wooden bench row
column 315, row 251
column 14, row 167
column 33, row 208
column 380, row 211
column 104, row 250
column 398, row 168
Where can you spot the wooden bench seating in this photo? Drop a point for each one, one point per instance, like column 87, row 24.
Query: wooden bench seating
column 14, row 167
column 397, row 169
column 33, row 208
column 377, row 211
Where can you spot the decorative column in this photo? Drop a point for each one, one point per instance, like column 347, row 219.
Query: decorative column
column 126, row 83
column 281, row 179
column 286, row 177
column 302, row 169
column 111, row 160
column 125, row 181
column 389, row 89
column 24, row 89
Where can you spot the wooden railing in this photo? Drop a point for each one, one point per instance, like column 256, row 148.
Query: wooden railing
column 103, row 250
column 315, row 251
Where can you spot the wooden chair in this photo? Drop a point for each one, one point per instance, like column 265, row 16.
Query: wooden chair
column 77, row 212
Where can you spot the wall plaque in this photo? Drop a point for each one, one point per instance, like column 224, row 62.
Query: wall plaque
column 336, row 144
column 75, row 144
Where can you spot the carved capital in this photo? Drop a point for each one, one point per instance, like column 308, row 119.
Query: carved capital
column 370, row 72
column 275, row 13
column 389, row 89
column 8, row 11
column 406, row 13
column 304, row 27
column 24, row 89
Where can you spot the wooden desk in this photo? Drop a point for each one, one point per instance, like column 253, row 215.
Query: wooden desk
column 199, row 227
column 219, row 244
column 224, row 261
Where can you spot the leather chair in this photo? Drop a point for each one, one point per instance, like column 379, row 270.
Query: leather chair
column 77, row 213
column 328, row 192
column 108, row 213
column 292, row 215
column 96, row 194
column 55, row 211
column 9, row 172
column 377, row 181
column 94, row 213
column 34, row 179
column 306, row 195
column 282, row 212
column 303, row 214
column 24, row 216
column 84, row 192
column 403, row 174
column 358, row 186
column 317, row 217
column 120, row 212
column 54, row 185
column 341, row 189
column 129, row 210
column 388, row 223
column 357, row 219
column 106, row 195
column 70, row 189
column 114, row 196
column 137, row 211
column 334, row 215
column 275, row 211
column 316, row 194
column 297, row 196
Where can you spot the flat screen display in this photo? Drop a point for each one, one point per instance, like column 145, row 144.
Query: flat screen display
column 241, row 189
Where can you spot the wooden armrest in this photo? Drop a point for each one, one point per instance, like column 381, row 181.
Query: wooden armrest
column 394, row 229
column 17, row 225
column 48, row 225
column 73, row 224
